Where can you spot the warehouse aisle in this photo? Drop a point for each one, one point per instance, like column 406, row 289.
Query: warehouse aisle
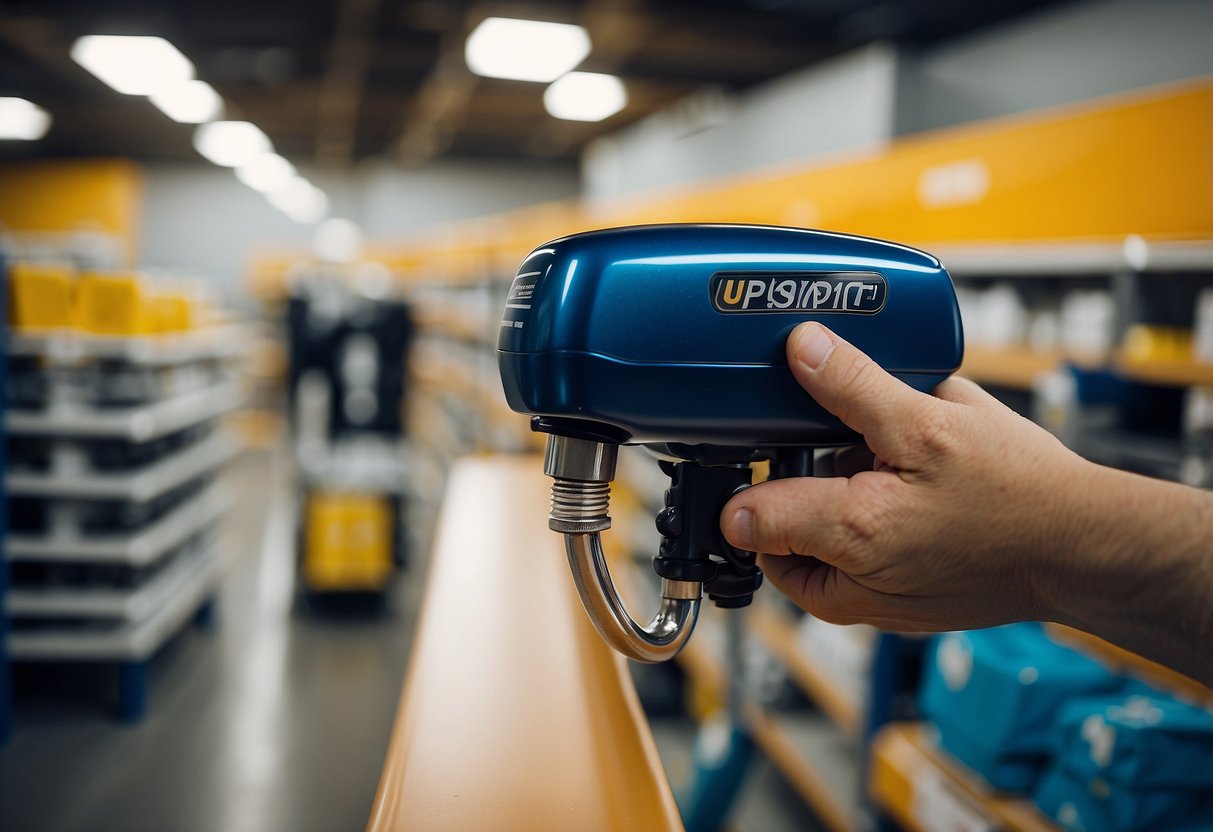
column 274, row 720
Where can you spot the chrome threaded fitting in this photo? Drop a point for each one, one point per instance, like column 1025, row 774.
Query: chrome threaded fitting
column 579, row 507
column 582, row 471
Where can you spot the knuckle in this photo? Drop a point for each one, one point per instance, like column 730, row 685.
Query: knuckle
column 933, row 431
column 863, row 524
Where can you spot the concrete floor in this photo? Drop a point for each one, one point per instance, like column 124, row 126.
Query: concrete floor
column 275, row 719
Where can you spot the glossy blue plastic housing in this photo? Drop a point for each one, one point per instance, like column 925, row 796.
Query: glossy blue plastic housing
column 675, row 333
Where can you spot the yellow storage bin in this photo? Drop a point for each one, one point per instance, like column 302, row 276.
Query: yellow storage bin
column 112, row 304
column 172, row 312
column 1146, row 343
column 40, row 296
column 348, row 541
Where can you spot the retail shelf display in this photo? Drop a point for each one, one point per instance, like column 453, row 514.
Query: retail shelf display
column 923, row 790
column 1165, row 373
column 778, row 633
column 818, row 759
column 66, row 347
column 115, row 445
column 1134, row 665
column 68, row 542
column 139, row 424
column 191, row 585
column 1016, row 368
column 139, row 485
column 105, row 603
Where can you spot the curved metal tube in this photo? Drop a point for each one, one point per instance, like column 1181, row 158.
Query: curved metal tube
column 662, row 638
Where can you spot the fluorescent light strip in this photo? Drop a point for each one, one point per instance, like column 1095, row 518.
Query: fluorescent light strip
column 230, row 144
column 133, row 65
column 525, row 50
column 22, row 120
column 301, row 201
column 585, row 96
column 266, row 173
column 189, row 102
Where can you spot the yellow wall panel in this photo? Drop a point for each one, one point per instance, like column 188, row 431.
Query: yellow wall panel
column 1140, row 164
column 73, row 194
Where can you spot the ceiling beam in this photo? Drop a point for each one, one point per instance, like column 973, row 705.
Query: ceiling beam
column 441, row 103
column 341, row 91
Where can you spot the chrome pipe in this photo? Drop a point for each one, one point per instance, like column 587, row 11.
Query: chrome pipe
column 664, row 635
column 581, row 471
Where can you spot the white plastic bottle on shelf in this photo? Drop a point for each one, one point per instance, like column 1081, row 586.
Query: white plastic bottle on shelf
column 1202, row 328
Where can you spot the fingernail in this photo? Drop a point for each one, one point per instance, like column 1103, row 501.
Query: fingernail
column 741, row 524
column 813, row 346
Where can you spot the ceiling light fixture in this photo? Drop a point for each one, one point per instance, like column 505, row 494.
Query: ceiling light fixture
column 133, row 65
column 525, row 50
column 190, row 102
column 22, row 120
column 266, row 173
column 301, row 201
column 230, row 143
column 585, row 96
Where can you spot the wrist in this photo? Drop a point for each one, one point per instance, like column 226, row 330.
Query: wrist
column 1133, row 565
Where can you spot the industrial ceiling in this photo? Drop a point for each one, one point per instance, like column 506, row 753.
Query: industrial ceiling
column 333, row 82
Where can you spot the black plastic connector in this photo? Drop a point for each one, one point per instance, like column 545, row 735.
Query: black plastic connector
column 692, row 546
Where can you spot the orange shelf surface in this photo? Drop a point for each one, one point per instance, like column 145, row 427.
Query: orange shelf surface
column 515, row 714
column 1016, row 368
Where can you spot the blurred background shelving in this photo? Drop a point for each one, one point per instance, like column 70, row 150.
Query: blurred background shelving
column 114, row 444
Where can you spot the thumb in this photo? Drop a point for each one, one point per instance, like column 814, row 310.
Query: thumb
column 893, row 417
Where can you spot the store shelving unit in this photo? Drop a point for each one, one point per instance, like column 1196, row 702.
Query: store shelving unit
column 1132, row 664
column 144, row 470
column 138, row 424
column 1120, row 266
column 923, row 790
column 1013, row 368
column 817, row 756
column 777, row 632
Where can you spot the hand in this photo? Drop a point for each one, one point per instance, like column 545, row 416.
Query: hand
column 963, row 511
column 968, row 515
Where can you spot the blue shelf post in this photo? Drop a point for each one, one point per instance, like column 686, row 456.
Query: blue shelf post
column 132, row 690
column 6, row 683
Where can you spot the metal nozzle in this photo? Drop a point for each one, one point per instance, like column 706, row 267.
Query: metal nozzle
column 582, row 470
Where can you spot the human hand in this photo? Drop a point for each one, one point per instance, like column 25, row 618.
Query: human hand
column 964, row 511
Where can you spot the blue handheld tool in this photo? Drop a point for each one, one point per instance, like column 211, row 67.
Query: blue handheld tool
column 672, row 337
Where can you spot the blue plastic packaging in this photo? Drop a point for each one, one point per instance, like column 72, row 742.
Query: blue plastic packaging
column 1142, row 761
column 1138, row 741
column 1084, row 806
column 995, row 694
